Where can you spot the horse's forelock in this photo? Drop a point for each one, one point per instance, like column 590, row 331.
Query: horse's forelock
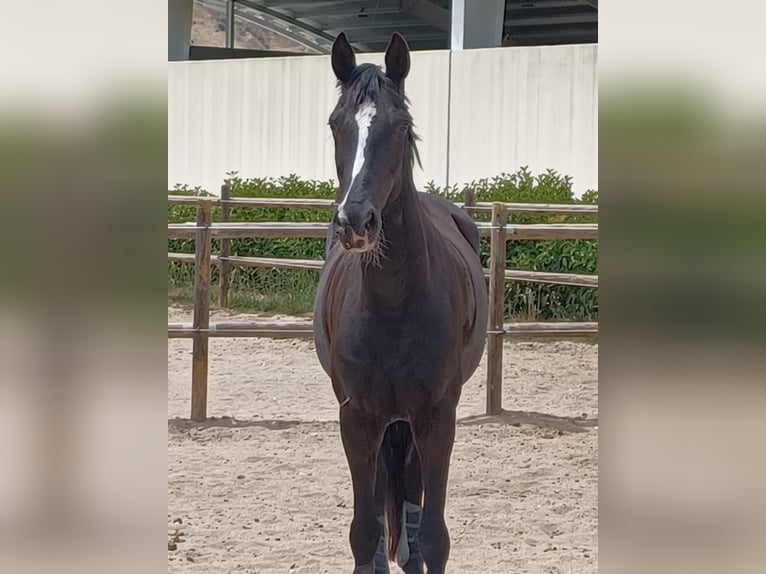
column 366, row 83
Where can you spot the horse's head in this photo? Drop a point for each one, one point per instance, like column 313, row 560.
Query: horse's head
column 374, row 141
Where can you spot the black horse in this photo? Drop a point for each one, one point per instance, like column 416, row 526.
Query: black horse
column 399, row 319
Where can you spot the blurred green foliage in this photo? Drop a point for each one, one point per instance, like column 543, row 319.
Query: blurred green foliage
column 292, row 291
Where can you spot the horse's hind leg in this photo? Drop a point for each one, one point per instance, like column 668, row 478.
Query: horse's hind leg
column 434, row 434
column 413, row 510
column 361, row 440
column 380, row 560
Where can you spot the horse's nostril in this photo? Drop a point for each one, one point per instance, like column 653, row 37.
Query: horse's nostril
column 369, row 221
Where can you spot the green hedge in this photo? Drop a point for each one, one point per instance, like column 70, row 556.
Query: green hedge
column 253, row 288
column 292, row 291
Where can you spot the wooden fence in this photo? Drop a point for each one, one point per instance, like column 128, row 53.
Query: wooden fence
column 498, row 230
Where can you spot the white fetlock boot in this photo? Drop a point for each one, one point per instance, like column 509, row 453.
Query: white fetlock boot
column 408, row 549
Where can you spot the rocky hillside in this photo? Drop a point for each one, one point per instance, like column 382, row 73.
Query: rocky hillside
column 208, row 29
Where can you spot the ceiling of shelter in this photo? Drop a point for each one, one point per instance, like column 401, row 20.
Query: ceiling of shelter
column 312, row 25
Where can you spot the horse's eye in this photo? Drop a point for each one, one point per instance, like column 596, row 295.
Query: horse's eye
column 403, row 127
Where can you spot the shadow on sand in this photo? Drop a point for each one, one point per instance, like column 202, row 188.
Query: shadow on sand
column 513, row 418
column 542, row 420
column 229, row 422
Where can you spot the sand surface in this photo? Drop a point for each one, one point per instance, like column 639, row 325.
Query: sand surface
column 265, row 487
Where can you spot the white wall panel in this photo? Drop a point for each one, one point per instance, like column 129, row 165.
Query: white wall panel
column 264, row 117
column 536, row 106
column 268, row 117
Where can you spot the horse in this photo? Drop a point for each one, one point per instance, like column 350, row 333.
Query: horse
column 400, row 319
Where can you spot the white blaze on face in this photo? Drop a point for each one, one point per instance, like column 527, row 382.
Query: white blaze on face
column 363, row 117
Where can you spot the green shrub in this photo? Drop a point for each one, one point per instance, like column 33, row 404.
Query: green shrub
column 256, row 288
column 292, row 291
column 528, row 301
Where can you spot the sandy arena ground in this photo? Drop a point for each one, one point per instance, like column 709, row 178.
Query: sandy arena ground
column 265, row 488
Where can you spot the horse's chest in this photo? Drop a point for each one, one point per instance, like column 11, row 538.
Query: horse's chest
column 393, row 351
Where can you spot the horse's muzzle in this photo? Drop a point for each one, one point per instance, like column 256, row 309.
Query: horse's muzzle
column 353, row 242
column 357, row 232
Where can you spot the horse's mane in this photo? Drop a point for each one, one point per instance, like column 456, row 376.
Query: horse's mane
column 367, row 82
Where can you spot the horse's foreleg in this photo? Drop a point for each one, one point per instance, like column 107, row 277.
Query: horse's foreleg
column 361, row 440
column 434, row 434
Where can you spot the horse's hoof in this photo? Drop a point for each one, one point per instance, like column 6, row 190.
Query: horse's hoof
column 413, row 568
column 365, row 569
column 381, row 567
column 380, row 564
column 380, row 560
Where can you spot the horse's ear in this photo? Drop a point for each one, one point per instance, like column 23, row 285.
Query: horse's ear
column 343, row 59
column 397, row 59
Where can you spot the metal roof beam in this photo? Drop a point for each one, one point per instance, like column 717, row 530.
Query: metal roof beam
column 318, row 45
column 428, row 11
column 279, row 22
column 548, row 5
column 324, row 9
column 345, row 27
column 385, row 37
column 554, row 20
column 288, row 19
column 561, row 37
column 300, row 4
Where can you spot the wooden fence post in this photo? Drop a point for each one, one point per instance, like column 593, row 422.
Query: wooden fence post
column 224, row 266
column 496, row 310
column 201, row 323
column 469, row 200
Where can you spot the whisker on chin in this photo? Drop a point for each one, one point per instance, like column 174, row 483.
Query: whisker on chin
column 374, row 255
column 381, row 246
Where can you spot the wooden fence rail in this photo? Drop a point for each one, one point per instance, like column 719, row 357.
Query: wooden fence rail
column 499, row 231
column 282, row 230
column 273, row 330
column 304, row 330
column 574, row 279
column 296, row 203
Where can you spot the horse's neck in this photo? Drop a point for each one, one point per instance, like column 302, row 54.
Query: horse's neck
column 401, row 276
